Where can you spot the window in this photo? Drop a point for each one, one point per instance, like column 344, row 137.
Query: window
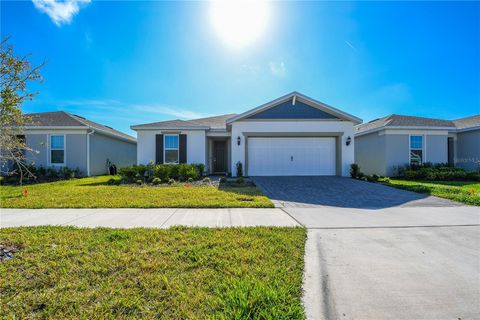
column 57, row 149
column 416, row 150
column 171, row 148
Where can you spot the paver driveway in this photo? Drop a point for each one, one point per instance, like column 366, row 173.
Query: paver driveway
column 341, row 192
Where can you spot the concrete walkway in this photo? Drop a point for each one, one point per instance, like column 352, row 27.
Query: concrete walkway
column 147, row 218
column 390, row 263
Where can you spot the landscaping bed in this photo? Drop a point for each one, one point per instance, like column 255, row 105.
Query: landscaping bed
column 99, row 192
column 179, row 273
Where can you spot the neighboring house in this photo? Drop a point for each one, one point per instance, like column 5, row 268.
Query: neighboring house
column 61, row 139
column 292, row 135
column 383, row 145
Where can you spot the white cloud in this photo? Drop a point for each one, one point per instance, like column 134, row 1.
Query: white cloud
column 118, row 106
column 278, row 69
column 167, row 110
column 60, row 11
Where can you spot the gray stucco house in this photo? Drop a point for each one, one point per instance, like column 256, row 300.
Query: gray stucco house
column 62, row 139
column 290, row 136
column 384, row 144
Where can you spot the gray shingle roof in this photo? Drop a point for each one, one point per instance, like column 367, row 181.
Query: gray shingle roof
column 396, row 120
column 468, row 122
column 65, row 119
column 217, row 122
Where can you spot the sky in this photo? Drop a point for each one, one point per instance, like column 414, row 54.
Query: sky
column 123, row 63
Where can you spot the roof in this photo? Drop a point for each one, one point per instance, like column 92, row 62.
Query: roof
column 296, row 95
column 62, row 119
column 468, row 122
column 216, row 123
column 399, row 121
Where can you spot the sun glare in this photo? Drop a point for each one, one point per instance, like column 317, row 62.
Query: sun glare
column 239, row 23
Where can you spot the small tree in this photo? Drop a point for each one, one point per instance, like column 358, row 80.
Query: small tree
column 15, row 73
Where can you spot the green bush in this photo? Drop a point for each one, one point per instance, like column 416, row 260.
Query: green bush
column 139, row 182
column 223, row 180
column 171, row 181
column 2, row 180
column 156, row 181
column 239, row 168
column 206, row 180
column 437, row 173
column 133, row 172
column 355, row 171
column 240, row 180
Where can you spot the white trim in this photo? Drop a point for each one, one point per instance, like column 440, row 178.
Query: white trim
column 450, row 129
column 165, row 148
column 88, row 151
column 82, row 128
column 313, row 103
column 468, row 129
column 139, row 127
column 49, row 147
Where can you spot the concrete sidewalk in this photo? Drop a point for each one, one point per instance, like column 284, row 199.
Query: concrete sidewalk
column 147, row 218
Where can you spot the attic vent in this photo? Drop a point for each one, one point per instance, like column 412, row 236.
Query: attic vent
column 109, row 127
column 294, row 100
column 76, row 115
column 373, row 120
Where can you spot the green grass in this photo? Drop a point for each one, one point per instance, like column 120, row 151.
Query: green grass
column 467, row 192
column 179, row 273
column 95, row 193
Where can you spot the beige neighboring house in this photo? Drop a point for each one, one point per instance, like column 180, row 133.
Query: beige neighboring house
column 62, row 139
column 384, row 144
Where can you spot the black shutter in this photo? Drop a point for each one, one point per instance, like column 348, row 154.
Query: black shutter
column 183, row 148
column 159, row 148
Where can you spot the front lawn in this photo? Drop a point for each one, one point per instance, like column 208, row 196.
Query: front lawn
column 179, row 273
column 94, row 192
column 467, row 192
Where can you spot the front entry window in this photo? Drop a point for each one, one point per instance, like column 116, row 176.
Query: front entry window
column 416, row 150
column 171, row 148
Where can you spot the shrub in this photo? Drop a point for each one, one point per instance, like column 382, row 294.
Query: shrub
column 190, row 180
column 438, row 173
column 187, row 172
column 239, row 167
column 223, row 180
column 200, row 168
column 156, row 181
column 111, row 181
column 355, row 171
column 2, row 180
column 171, row 181
column 240, row 180
column 206, row 180
column 139, row 182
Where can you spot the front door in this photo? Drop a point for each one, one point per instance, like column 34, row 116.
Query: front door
column 219, row 156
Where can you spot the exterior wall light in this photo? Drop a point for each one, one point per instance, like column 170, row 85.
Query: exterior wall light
column 348, row 141
column 238, row 140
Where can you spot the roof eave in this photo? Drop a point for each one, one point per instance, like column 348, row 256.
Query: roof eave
column 169, row 128
column 452, row 129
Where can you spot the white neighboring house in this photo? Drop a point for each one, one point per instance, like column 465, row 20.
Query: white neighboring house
column 293, row 135
column 61, row 139
column 384, row 144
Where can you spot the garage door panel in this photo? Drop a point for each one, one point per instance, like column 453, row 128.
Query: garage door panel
column 291, row 156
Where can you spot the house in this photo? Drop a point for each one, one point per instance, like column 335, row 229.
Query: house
column 291, row 135
column 61, row 139
column 384, row 144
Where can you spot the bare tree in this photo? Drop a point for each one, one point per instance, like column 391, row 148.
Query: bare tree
column 15, row 74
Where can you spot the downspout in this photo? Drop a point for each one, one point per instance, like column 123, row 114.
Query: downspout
column 88, row 150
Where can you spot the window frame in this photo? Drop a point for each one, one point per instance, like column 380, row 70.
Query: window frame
column 50, row 149
column 422, row 160
column 165, row 149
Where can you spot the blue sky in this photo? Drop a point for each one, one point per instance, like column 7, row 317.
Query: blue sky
column 124, row 63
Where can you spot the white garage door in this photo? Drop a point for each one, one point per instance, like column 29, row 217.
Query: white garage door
column 291, row 156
